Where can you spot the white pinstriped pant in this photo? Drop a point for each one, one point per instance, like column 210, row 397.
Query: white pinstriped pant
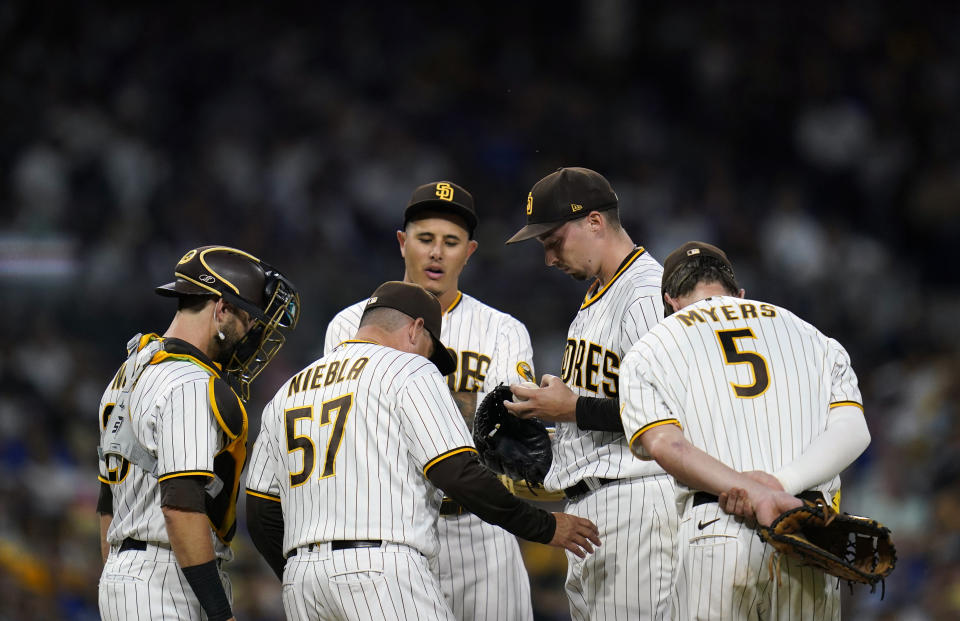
column 386, row 583
column 148, row 585
column 631, row 575
column 724, row 575
column 481, row 571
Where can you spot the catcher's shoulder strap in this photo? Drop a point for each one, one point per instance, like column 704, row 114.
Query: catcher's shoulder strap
column 117, row 440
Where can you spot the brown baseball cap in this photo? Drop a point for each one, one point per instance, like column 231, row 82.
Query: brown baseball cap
column 688, row 252
column 567, row 194
column 442, row 196
column 415, row 301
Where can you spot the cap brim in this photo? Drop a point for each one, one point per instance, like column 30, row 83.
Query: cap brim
column 414, row 211
column 181, row 287
column 533, row 230
column 442, row 358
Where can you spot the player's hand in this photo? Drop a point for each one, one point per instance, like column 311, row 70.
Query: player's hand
column 737, row 501
column 763, row 506
column 553, row 402
column 770, row 506
column 764, row 478
column 575, row 534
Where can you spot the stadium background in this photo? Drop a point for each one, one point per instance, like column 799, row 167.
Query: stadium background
column 820, row 146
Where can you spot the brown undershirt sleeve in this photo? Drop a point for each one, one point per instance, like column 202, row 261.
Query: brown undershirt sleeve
column 462, row 478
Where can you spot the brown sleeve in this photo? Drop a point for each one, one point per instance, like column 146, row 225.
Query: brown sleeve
column 265, row 522
column 105, row 500
column 462, row 478
column 596, row 414
column 184, row 493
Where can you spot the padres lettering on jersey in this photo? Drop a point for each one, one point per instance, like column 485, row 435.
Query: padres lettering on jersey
column 750, row 383
column 610, row 320
column 348, row 458
column 591, row 367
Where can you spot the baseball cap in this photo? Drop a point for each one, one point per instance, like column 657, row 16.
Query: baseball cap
column 567, row 194
column 688, row 252
column 443, row 196
column 415, row 301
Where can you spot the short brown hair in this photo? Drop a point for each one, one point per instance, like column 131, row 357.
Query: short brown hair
column 702, row 269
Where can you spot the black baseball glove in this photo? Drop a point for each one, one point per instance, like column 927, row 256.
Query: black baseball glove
column 516, row 447
column 852, row 548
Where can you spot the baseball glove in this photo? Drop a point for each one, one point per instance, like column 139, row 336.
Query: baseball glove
column 516, row 447
column 852, row 548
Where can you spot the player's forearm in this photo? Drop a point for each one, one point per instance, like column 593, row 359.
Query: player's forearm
column 192, row 543
column 462, row 478
column 691, row 466
column 190, row 536
column 844, row 439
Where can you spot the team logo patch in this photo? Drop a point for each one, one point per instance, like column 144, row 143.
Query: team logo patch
column 207, row 278
column 693, row 251
column 187, row 257
column 574, row 207
column 445, row 191
column 524, row 371
column 529, row 203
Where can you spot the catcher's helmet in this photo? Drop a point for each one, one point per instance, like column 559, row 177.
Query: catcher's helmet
column 250, row 284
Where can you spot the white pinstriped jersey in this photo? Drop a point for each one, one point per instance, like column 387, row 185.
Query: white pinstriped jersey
column 345, row 444
column 609, row 322
column 750, row 383
column 172, row 418
column 479, row 565
column 488, row 344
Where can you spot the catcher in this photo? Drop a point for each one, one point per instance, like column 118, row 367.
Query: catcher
column 751, row 409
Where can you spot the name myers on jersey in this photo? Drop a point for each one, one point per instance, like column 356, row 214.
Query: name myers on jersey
column 325, row 374
column 591, row 367
column 726, row 311
column 470, row 372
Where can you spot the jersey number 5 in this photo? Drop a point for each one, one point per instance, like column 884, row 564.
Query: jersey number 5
column 732, row 355
column 335, row 409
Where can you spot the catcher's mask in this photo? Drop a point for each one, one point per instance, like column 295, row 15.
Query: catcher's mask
column 264, row 293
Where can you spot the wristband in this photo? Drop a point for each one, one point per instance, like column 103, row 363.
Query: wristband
column 205, row 581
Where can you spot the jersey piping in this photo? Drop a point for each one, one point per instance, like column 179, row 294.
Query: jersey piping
column 436, row 460
column 648, row 427
column 588, row 300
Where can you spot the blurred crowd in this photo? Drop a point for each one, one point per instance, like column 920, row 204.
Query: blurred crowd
column 819, row 145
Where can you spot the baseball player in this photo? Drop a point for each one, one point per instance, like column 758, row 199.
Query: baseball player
column 573, row 212
column 726, row 385
column 480, row 567
column 345, row 476
column 173, row 438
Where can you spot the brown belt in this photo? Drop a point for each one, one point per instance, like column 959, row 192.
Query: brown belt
column 702, row 498
column 576, row 491
column 342, row 544
column 132, row 544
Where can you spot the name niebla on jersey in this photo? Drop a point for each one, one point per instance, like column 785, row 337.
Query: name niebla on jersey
column 726, row 311
column 325, row 374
